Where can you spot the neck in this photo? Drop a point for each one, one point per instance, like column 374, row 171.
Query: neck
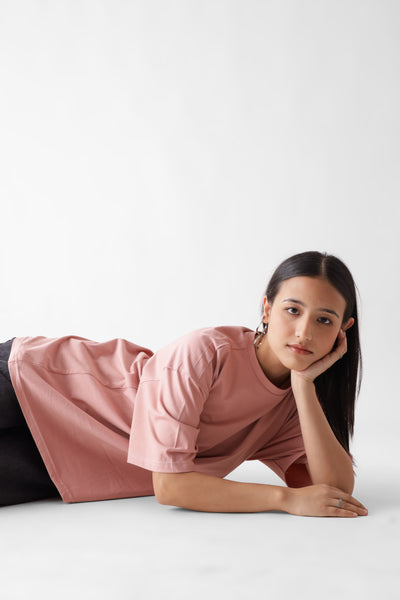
column 272, row 367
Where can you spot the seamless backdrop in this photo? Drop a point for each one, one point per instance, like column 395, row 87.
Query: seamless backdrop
column 158, row 158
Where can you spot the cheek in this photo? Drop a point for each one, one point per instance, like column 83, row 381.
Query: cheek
column 275, row 326
column 328, row 342
column 279, row 332
column 279, row 322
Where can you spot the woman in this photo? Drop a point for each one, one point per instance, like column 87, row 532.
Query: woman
column 113, row 420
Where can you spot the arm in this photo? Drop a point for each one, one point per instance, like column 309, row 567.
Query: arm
column 328, row 461
column 201, row 492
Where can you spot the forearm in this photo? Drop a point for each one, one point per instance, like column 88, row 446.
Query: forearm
column 328, row 461
column 201, row 492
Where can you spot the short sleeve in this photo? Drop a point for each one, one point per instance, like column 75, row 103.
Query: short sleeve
column 166, row 420
column 281, row 465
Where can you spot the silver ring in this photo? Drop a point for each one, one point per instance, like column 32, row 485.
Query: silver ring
column 339, row 504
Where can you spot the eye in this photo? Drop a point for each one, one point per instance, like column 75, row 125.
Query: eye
column 292, row 310
column 325, row 320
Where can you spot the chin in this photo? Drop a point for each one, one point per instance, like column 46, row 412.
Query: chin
column 297, row 363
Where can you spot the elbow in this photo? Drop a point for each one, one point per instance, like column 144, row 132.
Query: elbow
column 337, row 476
column 160, row 488
column 349, row 487
column 163, row 490
column 347, row 482
column 176, row 489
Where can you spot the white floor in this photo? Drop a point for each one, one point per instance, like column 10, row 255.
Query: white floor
column 136, row 548
column 239, row 132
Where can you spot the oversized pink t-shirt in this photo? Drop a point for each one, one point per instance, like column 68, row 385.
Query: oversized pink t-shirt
column 105, row 415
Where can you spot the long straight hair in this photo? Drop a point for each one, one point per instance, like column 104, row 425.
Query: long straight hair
column 337, row 388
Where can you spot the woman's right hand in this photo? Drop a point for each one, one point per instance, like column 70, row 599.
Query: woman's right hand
column 322, row 500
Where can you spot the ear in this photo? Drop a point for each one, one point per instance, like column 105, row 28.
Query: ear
column 267, row 308
column 348, row 324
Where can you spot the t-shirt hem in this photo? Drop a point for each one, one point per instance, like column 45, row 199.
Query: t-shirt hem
column 161, row 467
column 277, row 468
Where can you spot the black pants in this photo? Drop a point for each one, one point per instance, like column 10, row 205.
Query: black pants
column 23, row 475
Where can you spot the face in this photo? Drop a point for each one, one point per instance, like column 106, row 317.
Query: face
column 303, row 322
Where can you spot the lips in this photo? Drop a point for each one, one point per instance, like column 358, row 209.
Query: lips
column 297, row 349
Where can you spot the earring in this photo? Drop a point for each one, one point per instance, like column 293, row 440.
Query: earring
column 260, row 333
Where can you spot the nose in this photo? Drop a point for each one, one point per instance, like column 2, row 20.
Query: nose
column 303, row 330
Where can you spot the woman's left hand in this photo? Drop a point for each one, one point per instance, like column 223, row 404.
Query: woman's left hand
column 323, row 364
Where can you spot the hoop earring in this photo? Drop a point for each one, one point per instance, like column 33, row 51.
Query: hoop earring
column 260, row 333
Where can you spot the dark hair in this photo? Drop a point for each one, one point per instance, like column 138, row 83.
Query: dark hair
column 338, row 387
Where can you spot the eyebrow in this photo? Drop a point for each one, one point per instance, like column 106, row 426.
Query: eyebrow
column 327, row 310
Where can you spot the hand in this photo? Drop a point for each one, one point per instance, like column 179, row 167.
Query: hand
column 322, row 501
column 323, row 364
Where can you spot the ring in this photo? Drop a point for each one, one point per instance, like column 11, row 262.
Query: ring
column 339, row 504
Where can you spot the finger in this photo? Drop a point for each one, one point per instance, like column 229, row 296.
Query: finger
column 340, row 349
column 354, row 508
column 352, row 500
column 321, row 365
column 347, row 502
column 340, row 512
column 342, row 346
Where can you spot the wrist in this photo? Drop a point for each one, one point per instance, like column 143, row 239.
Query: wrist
column 300, row 382
column 285, row 499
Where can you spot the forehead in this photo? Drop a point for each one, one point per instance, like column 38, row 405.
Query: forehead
column 314, row 292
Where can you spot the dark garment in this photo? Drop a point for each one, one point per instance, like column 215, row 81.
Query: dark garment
column 23, row 475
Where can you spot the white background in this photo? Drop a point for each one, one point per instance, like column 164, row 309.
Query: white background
column 158, row 159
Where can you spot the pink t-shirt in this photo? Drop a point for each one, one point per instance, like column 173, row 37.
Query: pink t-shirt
column 105, row 415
